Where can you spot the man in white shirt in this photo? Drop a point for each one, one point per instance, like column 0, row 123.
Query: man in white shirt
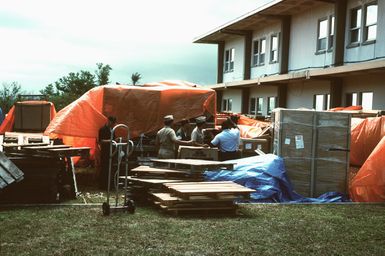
column 227, row 141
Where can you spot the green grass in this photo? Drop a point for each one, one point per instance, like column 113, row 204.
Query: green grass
column 261, row 230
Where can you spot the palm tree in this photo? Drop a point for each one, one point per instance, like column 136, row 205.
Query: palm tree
column 135, row 77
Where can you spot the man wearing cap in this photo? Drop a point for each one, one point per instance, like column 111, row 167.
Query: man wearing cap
column 227, row 141
column 197, row 134
column 104, row 140
column 166, row 140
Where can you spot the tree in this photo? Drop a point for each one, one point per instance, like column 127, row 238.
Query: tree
column 135, row 77
column 8, row 95
column 103, row 73
column 69, row 88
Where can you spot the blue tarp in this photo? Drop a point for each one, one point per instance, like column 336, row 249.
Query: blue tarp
column 267, row 175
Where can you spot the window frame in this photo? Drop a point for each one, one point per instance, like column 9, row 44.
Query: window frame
column 259, row 112
column 269, row 110
column 356, row 28
column 325, row 101
column 319, row 50
column 331, row 32
column 253, row 110
column 361, row 99
column 273, row 50
column 366, row 26
column 229, row 60
column 261, row 63
column 255, row 55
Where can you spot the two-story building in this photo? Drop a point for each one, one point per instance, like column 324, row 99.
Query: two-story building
column 302, row 53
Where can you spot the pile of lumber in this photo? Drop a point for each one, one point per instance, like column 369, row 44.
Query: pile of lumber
column 203, row 197
column 176, row 185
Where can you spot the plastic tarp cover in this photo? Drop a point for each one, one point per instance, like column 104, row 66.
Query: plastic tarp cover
column 141, row 108
column 7, row 125
column 364, row 138
column 368, row 149
column 267, row 175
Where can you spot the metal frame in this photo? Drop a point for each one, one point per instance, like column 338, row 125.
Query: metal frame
column 122, row 150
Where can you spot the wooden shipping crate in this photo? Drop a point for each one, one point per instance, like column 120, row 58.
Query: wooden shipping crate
column 315, row 147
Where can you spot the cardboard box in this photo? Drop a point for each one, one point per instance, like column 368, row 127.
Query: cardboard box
column 248, row 146
column 188, row 152
column 315, row 148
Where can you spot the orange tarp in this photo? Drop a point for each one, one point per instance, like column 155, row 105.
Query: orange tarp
column 7, row 125
column 140, row 108
column 368, row 150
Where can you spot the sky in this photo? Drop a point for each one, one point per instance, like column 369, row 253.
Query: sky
column 44, row 40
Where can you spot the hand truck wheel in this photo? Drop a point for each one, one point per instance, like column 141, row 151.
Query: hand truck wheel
column 130, row 206
column 106, row 209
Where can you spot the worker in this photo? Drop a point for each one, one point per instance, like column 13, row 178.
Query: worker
column 104, row 140
column 227, row 141
column 183, row 132
column 166, row 140
column 197, row 134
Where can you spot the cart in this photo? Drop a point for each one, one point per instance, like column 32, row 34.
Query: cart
column 120, row 150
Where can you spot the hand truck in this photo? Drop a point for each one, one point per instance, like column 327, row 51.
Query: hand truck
column 119, row 152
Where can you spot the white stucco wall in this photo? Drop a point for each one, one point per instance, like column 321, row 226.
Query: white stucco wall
column 236, row 96
column 239, row 46
column 267, row 68
column 264, row 92
column 303, row 39
column 366, row 83
column 300, row 94
column 370, row 51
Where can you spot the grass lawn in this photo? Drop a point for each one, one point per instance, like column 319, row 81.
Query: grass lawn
column 261, row 230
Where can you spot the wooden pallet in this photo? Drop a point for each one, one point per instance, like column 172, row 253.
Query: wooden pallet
column 146, row 171
column 194, row 165
column 201, row 196
column 213, row 189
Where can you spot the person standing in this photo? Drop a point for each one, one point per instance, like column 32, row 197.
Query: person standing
column 227, row 141
column 197, row 135
column 104, row 141
column 183, row 131
column 166, row 140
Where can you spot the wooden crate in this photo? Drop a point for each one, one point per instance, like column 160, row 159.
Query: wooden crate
column 315, row 148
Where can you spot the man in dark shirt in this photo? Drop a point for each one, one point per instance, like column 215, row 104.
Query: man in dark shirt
column 104, row 139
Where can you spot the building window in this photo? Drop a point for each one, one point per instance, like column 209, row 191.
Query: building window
column 367, row 100
column 355, row 25
column 259, row 106
column 227, row 104
column 331, row 32
column 271, row 101
column 322, row 34
column 352, row 99
column 229, row 60
column 274, row 48
column 370, row 29
column 255, row 52
column 325, row 34
column 252, row 106
column 321, row 102
column 364, row 99
column 262, row 51
column 259, row 50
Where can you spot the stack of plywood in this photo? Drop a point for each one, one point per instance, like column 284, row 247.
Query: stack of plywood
column 145, row 180
column 315, row 147
column 201, row 196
